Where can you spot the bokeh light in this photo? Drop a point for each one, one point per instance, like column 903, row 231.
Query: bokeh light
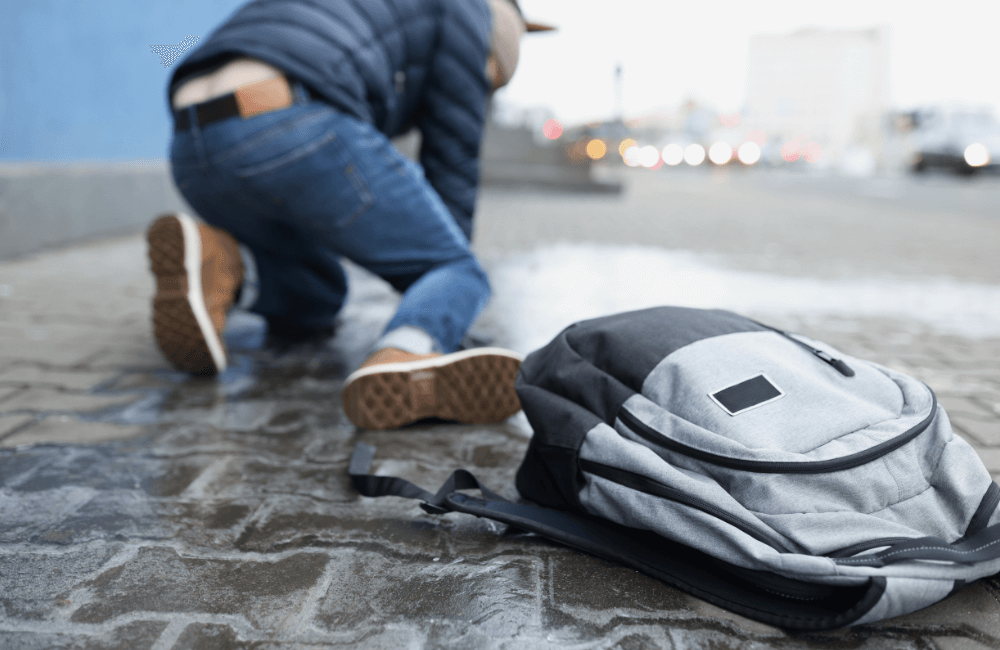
column 812, row 152
column 596, row 149
column 976, row 155
column 577, row 151
column 648, row 156
column 631, row 156
column 625, row 144
column 729, row 120
column 756, row 136
column 694, row 154
column 720, row 153
column 791, row 150
column 673, row 154
column 748, row 153
column 552, row 129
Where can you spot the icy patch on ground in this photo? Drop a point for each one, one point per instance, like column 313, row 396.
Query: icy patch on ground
column 538, row 294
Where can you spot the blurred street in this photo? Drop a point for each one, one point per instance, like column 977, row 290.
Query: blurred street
column 141, row 508
column 793, row 223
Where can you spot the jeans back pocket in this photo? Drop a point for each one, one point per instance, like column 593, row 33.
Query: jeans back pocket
column 263, row 142
column 315, row 185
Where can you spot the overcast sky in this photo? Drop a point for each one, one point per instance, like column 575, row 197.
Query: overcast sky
column 940, row 53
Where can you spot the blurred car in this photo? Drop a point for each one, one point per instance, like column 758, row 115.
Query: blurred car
column 963, row 142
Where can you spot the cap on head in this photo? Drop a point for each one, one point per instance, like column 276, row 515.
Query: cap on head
column 537, row 27
column 528, row 25
column 508, row 26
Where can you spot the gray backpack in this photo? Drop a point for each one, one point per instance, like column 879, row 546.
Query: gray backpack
column 759, row 470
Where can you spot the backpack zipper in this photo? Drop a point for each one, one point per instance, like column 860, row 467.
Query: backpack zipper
column 653, row 436
column 978, row 522
column 838, row 364
column 652, row 487
column 982, row 515
column 854, row 549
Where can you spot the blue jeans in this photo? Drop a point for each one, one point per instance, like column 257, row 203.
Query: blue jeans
column 301, row 187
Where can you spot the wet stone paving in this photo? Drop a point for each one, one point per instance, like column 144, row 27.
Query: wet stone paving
column 141, row 508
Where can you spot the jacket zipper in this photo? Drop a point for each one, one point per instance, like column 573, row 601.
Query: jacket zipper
column 778, row 467
column 647, row 485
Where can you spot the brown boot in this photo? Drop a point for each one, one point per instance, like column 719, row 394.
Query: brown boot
column 198, row 272
column 393, row 387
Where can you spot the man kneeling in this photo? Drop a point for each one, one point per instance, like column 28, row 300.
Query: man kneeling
column 283, row 119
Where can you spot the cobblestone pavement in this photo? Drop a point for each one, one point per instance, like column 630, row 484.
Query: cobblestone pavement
column 140, row 508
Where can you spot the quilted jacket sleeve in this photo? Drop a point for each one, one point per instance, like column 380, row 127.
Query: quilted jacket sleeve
column 454, row 108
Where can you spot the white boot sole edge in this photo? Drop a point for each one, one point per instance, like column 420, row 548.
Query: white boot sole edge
column 195, row 294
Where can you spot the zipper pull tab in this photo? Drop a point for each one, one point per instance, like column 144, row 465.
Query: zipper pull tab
column 841, row 367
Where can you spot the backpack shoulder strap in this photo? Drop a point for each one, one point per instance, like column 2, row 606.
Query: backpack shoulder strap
column 760, row 595
column 371, row 485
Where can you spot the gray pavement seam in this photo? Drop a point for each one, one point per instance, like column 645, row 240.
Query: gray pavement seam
column 19, row 428
column 237, row 622
column 306, row 612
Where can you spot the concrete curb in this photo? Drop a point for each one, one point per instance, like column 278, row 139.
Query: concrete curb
column 48, row 205
column 45, row 206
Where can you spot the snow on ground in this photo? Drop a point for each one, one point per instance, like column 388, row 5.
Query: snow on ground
column 537, row 294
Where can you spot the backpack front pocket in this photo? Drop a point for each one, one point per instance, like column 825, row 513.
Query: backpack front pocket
column 765, row 402
column 746, row 463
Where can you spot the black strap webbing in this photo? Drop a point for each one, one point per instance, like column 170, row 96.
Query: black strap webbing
column 379, row 486
column 760, row 595
column 384, row 486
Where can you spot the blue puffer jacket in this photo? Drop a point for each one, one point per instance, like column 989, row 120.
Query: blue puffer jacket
column 393, row 63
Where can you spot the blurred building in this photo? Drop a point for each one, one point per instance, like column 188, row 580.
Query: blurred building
column 821, row 94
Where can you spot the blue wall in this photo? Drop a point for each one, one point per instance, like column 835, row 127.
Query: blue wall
column 78, row 80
